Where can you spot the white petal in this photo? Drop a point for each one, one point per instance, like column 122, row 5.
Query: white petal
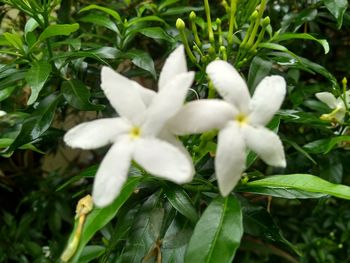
column 327, row 98
column 123, row 95
column 162, row 159
column 200, row 116
column 97, row 133
column 266, row 144
column 173, row 66
column 229, row 83
column 167, row 103
column 230, row 157
column 147, row 95
column 2, row 113
column 267, row 99
column 112, row 173
column 172, row 139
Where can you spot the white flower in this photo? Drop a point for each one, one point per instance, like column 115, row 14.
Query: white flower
column 136, row 134
column 2, row 113
column 241, row 120
column 337, row 104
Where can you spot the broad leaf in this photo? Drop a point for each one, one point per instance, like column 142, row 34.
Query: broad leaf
column 304, row 182
column 337, row 8
column 259, row 68
column 141, row 59
column 78, row 95
column 106, row 10
column 58, row 30
column 218, row 232
column 36, row 78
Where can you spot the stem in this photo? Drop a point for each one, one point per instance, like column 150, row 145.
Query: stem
column 232, row 23
column 180, row 25
column 210, row 28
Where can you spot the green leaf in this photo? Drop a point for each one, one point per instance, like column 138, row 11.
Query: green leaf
column 100, row 20
column 325, row 145
column 6, row 142
column 58, row 30
column 141, row 59
column 91, row 252
column 259, row 68
column 218, row 232
column 258, row 222
column 337, row 8
column 137, row 20
column 291, row 36
column 36, row 78
column 156, row 33
column 38, row 122
column 304, row 182
column 6, row 92
column 78, row 95
column 181, row 202
column 109, row 11
column 15, row 40
column 99, row 217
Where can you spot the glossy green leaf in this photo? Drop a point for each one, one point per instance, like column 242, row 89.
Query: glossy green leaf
column 258, row 222
column 38, row 122
column 90, row 253
column 58, row 30
column 14, row 39
column 325, row 145
column 99, row 217
column 259, row 68
column 137, row 20
column 36, row 78
column 156, row 33
column 304, row 182
column 6, row 92
column 145, row 230
column 106, row 10
column 100, row 20
column 78, row 95
column 181, row 202
column 141, row 59
column 218, row 232
column 6, row 142
column 291, row 36
column 337, row 8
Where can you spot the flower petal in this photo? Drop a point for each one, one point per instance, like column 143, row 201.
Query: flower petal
column 112, row 173
column 167, row 103
column 327, row 98
column 266, row 144
column 267, row 99
column 173, row 66
column 200, row 116
column 147, row 95
column 229, row 84
column 166, row 135
column 230, row 157
column 163, row 159
column 123, row 95
column 97, row 133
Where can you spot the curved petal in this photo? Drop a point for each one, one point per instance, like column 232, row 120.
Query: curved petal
column 173, row 66
column 123, row 95
column 229, row 84
column 267, row 99
column 200, row 116
column 112, row 173
column 147, row 95
column 230, row 157
column 327, row 98
column 167, row 103
column 97, row 133
column 266, row 144
column 163, row 159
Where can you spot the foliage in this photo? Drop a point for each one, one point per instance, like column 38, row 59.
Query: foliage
column 51, row 54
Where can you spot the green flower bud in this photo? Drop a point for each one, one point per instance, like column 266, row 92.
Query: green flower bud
column 180, row 24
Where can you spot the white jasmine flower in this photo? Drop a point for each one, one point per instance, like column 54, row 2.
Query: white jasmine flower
column 337, row 104
column 136, row 134
column 240, row 119
column 2, row 113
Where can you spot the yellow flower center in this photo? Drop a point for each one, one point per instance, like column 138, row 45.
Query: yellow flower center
column 135, row 132
column 241, row 118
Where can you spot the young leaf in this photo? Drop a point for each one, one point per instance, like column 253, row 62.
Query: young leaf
column 218, row 232
column 304, row 182
column 78, row 95
column 36, row 77
column 108, row 11
column 15, row 40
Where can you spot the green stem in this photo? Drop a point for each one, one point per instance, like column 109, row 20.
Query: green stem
column 180, row 25
column 210, row 28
